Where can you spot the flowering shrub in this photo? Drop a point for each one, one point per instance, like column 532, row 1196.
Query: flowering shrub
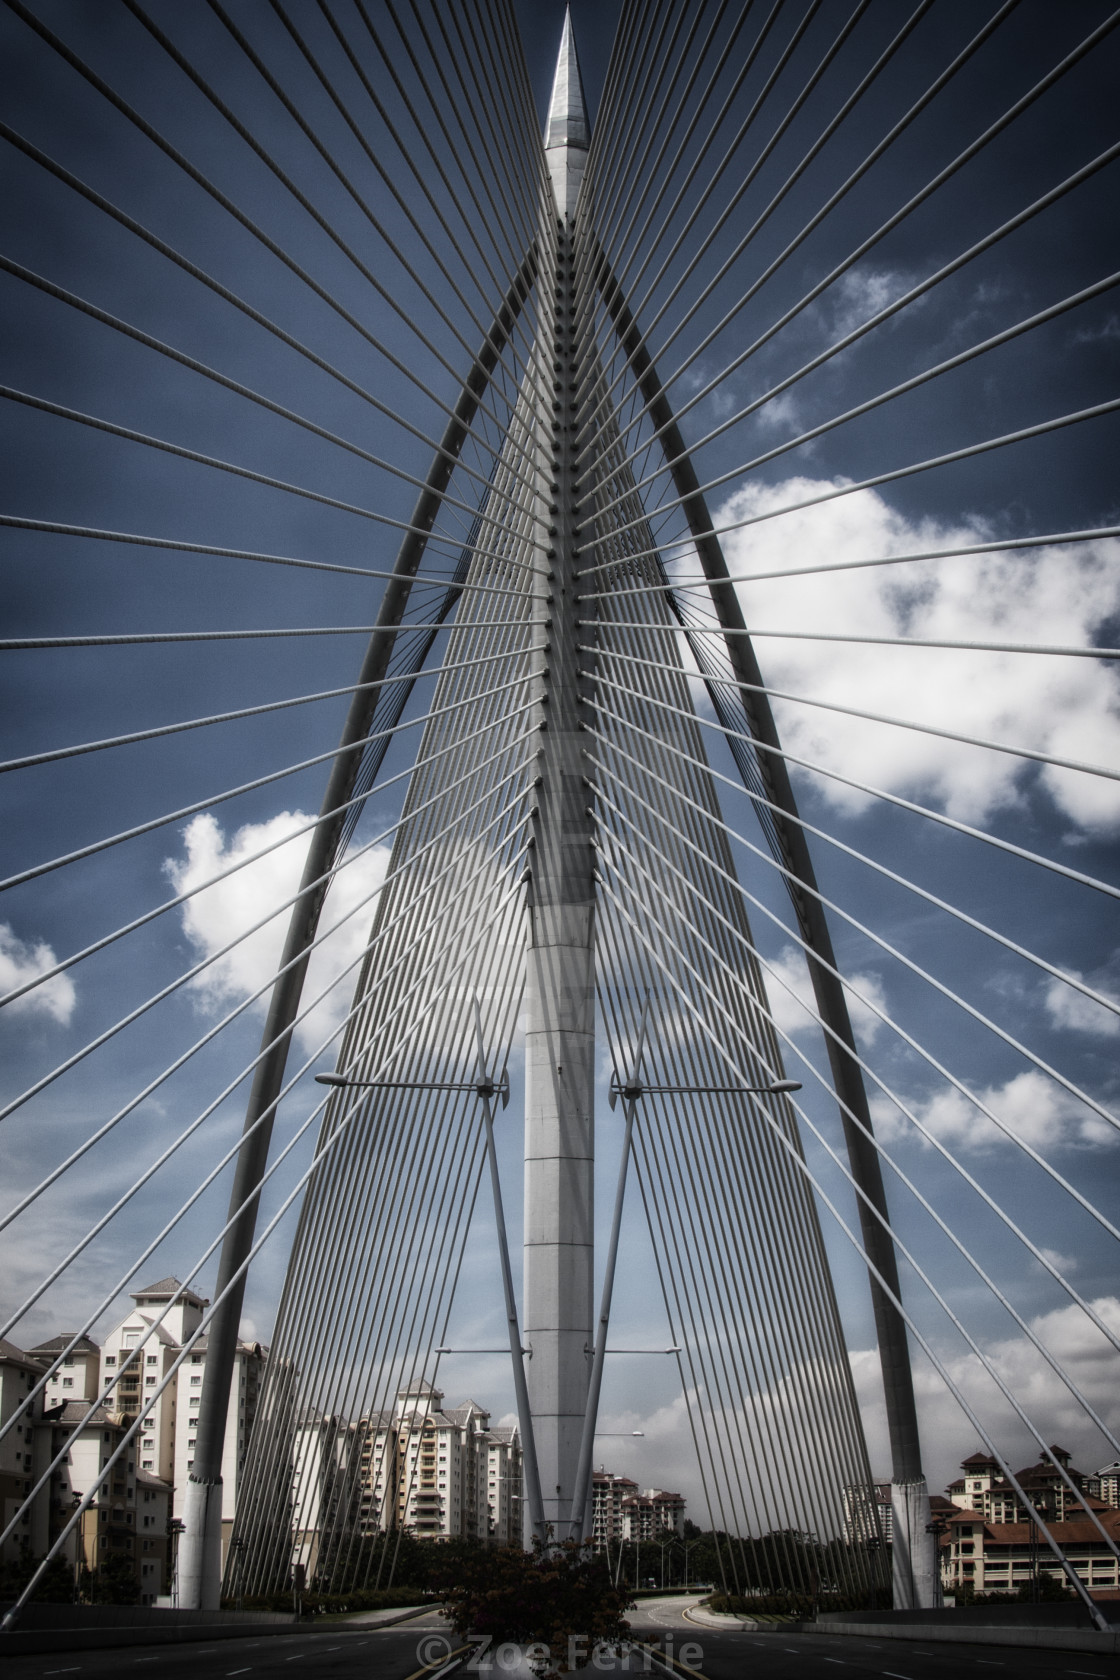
column 548, row 1596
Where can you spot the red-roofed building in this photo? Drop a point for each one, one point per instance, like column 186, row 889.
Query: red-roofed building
column 1001, row 1557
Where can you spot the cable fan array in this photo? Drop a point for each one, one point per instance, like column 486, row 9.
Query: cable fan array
column 284, row 373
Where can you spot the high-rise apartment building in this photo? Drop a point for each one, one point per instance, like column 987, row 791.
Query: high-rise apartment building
column 166, row 1441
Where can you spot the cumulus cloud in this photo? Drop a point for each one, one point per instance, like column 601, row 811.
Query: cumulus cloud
column 790, row 1012
column 22, row 961
column 862, row 292
column 1070, row 1336
column 1065, row 707
column 1067, row 1008
column 220, row 912
column 1031, row 1106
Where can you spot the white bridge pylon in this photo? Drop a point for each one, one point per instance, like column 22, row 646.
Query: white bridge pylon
column 547, row 886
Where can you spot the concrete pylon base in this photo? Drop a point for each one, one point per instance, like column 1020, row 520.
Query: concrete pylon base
column 200, row 1547
column 915, row 1576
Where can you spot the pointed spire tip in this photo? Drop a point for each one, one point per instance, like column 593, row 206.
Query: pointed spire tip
column 568, row 134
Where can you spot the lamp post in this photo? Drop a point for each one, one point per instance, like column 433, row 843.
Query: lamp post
column 174, row 1529
column 937, row 1528
column 874, row 1546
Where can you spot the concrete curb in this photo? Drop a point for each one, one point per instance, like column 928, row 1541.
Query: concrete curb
column 728, row 1623
column 1051, row 1638
column 386, row 1618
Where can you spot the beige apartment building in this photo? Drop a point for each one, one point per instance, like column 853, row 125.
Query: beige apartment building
column 992, row 1544
column 126, row 1522
column 165, row 1445
column 441, row 1471
column 621, row 1510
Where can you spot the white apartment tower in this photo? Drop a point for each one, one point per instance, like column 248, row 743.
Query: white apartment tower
column 167, row 1438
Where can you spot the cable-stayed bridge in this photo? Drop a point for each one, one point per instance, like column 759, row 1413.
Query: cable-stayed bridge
column 713, row 470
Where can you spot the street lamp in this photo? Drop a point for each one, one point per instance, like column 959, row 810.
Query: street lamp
column 635, row 1088
column 937, row 1528
column 174, row 1529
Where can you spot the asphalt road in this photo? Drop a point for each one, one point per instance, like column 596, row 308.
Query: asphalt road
column 779, row 1655
column 421, row 1648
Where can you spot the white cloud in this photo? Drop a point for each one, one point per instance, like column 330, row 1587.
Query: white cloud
column 862, row 292
column 1066, row 707
column 948, row 1437
column 1032, row 1107
column 1067, row 1008
column 1094, row 335
column 781, row 414
column 20, row 962
column 220, row 912
column 788, row 1011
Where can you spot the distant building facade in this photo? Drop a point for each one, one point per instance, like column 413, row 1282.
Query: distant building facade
column 652, row 1514
column 621, row 1510
column 868, row 1513
column 165, row 1447
column 130, row 1513
column 440, row 1471
column 608, row 1492
column 991, row 1542
column 124, row 1528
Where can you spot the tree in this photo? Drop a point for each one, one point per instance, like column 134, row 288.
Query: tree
column 113, row 1582
column 55, row 1587
column 547, row 1597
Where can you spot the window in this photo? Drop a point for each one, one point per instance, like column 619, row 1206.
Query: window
column 149, row 1382
column 130, row 1339
column 147, row 1464
column 152, row 1359
column 69, row 1360
column 196, row 1358
column 110, row 1359
column 67, row 1382
column 192, row 1442
column 196, row 1382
